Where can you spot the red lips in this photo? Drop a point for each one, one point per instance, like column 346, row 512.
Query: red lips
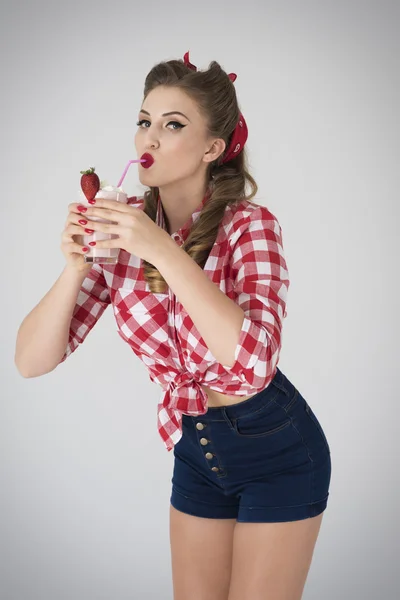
column 149, row 160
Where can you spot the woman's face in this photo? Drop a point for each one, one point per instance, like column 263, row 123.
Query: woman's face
column 177, row 142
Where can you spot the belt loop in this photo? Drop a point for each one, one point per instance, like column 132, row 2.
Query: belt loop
column 278, row 381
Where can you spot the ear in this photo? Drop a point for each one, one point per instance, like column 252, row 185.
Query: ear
column 217, row 148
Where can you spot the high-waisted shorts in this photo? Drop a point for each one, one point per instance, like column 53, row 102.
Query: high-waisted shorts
column 265, row 459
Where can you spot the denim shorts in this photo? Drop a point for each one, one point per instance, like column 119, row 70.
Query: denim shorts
column 265, row 459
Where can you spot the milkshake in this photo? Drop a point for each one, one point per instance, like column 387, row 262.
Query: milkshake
column 92, row 187
column 101, row 255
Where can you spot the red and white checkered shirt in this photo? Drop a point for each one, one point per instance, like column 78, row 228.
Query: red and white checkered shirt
column 247, row 263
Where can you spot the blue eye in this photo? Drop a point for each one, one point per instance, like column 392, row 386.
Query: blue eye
column 180, row 126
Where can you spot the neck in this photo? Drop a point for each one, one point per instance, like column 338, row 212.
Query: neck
column 180, row 199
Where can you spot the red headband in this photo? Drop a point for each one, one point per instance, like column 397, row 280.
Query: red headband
column 240, row 132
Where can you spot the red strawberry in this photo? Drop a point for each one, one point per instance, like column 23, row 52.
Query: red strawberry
column 90, row 183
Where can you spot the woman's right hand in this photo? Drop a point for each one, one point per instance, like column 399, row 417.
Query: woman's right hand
column 72, row 240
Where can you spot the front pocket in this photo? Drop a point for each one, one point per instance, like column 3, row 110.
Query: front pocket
column 142, row 318
column 268, row 420
column 141, row 301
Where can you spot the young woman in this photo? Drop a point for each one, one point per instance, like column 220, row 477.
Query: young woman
column 199, row 293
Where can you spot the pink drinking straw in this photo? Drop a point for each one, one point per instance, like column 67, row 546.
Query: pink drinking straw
column 127, row 167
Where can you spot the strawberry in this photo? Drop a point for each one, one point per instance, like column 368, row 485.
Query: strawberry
column 90, row 183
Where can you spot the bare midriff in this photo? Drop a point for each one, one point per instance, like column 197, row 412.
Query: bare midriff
column 216, row 399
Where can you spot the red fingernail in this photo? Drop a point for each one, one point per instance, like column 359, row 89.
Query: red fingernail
column 92, row 201
column 82, row 208
column 89, row 230
column 92, row 243
column 82, row 221
column 85, row 249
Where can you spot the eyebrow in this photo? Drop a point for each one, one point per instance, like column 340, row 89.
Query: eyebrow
column 167, row 114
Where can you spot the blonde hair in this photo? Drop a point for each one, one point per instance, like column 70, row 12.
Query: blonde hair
column 215, row 96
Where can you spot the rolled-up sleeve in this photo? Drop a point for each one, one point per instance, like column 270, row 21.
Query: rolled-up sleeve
column 92, row 300
column 261, row 282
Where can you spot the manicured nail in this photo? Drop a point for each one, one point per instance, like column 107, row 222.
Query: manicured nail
column 92, row 243
column 85, row 249
column 82, row 221
column 82, row 208
column 89, row 230
column 92, row 201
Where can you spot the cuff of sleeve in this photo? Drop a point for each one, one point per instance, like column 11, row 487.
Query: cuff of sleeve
column 246, row 350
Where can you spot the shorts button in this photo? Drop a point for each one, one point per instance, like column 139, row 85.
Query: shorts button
column 199, row 426
column 209, row 456
column 215, row 469
column 204, row 441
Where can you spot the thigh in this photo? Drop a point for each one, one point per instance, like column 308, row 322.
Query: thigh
column 201, row 556
column 272, row 560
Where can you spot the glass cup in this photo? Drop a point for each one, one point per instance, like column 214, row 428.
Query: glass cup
column 101, row 255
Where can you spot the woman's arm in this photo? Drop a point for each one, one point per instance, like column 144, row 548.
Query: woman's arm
column 44, row 333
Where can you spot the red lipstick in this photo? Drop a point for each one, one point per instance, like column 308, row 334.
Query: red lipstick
column 148, row 160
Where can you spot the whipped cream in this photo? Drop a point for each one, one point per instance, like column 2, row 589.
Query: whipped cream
column 105, row 187
column 112, row 188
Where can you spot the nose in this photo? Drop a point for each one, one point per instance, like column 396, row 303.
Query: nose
column 151, row 142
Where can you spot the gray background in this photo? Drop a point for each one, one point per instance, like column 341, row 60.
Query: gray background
column 85, row 479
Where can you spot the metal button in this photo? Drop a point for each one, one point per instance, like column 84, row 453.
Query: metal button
column 209, row 456
column 215, row 469
column 199, row 426
column 204, row 441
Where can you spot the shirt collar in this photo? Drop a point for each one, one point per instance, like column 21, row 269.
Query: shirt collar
column 184, row 231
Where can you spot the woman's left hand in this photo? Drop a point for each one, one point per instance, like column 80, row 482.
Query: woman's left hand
column 137, row 233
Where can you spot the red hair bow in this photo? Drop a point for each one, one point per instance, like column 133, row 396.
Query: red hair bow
column 240, row 133
column 232, row 76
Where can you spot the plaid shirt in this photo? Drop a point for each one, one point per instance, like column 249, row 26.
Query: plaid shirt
column 247, row 263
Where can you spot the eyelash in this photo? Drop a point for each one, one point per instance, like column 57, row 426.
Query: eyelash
column 180, row 126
